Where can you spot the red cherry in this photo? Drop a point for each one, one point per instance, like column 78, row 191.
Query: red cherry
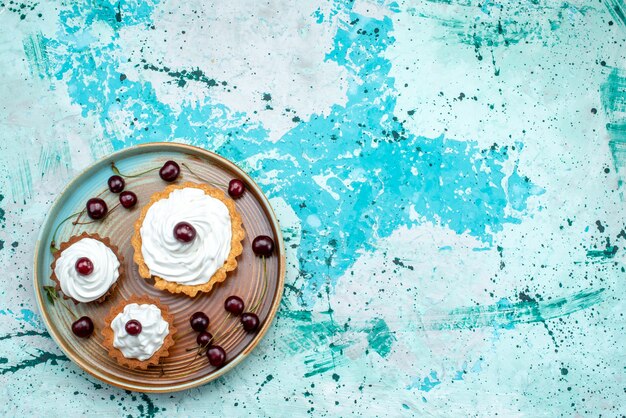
column 204, row 338
column 128, row 199
column 263, row 246
column 84, row 266
column 199, row 321
column 83, row 327
column 250, row 321
column 234, row 305
column 170, row 171
column 236, row 188
column 184, row 232
column 133, row 327
column 116, row 184
column 216, row 355
column 96, row 208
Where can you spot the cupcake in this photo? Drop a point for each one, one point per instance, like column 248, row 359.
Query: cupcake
column 187, row 238
column 86, row 268
column 138, row 332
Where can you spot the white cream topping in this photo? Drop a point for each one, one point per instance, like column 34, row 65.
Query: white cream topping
column 154, row 329
column 87, row 288
column 190, row 263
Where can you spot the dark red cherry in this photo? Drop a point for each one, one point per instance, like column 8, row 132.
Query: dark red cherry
column 204, row 338
column 116, row 184
column 236, row 188
column 96, row 208
column 199, row 321
column 170, row 171
column 128, row 199
column 82, row 327
column 133, row 327
column 263, row 246
column 234, row 305
column 84, row 266
column 216, row 355
column 250, row 321
column 184, row 232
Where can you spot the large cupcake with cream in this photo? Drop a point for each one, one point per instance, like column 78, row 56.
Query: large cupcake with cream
column 138, row 332
column 87, row 268
column 187, row 238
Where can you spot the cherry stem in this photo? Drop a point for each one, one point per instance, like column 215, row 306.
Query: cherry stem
column 117, row 171
column 219, row 327
column 96, row 220
column 219, row 330
column 56, row 298
column 200, row 178
column 53, row 247
column 258, row 302
column 227, row 332
column 198, row 353
column 72, row 313
column 204, row 347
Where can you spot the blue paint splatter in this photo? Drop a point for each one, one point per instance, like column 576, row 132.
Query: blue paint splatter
column 352, row 168
column 478, row 366
column 31, row 318
column 458, row 375
column 505, row 305
column 427, row 383
column 518, row 187
column 318, row 15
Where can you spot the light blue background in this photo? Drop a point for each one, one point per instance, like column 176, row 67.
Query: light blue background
column 448, row 175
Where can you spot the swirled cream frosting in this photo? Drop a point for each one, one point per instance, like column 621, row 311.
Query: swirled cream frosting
column 191, row 263
column 154, row 329
column 87, row 288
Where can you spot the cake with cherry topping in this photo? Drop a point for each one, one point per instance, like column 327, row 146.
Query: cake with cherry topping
column 138, row 332
column 187, row 238
column 87, row 268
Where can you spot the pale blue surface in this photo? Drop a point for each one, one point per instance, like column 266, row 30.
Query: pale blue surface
column 448, row 186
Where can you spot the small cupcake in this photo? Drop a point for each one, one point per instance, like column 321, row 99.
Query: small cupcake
column 187, row 238
column 138, row 332
column 86, row 268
